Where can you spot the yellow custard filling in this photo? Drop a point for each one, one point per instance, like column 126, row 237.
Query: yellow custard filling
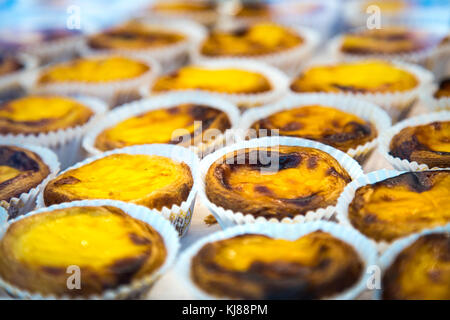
column 364, row 76
column 7, row 173
column 94, row 70
column 84, row 236
column 226, row 80
column 259, row 39
column 240, row 253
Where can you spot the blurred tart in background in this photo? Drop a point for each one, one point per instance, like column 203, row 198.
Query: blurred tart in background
column 255, row 266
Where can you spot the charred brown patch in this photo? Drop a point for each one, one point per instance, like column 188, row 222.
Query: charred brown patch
column 66, row 180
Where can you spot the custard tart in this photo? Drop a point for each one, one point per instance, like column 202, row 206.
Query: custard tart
column 134, row 36
column 355, row 77
column 9, row 64
column 35, row 114
column 109, row 247
column 255, row 266
column 148, row 180
column 250, row 41
column 426, row 144
column 444, row 89
column 421, row 271
column 161, row 125
column 220, row 80
column 331, row 126
column 93, row 70
column 20, row 171
column 275, row 182
column 389, row 40
column 401, row 205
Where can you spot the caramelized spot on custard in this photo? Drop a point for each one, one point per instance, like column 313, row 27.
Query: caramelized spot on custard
column 328, row 125
column 355, row 77
column 421, row 271
column 94, row 70
column 226, row 80
column 399, row 206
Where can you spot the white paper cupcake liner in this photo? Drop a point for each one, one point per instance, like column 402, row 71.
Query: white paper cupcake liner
column 165, row 101
column 439, row 61
column 398, row 246
column 277, row 79
column 397, row 104
column 289, row 61
column 66, row 143
column 112, row 92
column 386, row 137
column 17, row 78
column 348, row 195
column 361, row 108
column 428, row 100
column 170, row 57
column 362, row 246
column 227, row 218
column 151, row 217
column 179, row 215
column 26, row 202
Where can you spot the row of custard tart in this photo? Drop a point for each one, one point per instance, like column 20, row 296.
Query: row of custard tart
column 24, row 171
column 116, row 249
column 158, row 176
